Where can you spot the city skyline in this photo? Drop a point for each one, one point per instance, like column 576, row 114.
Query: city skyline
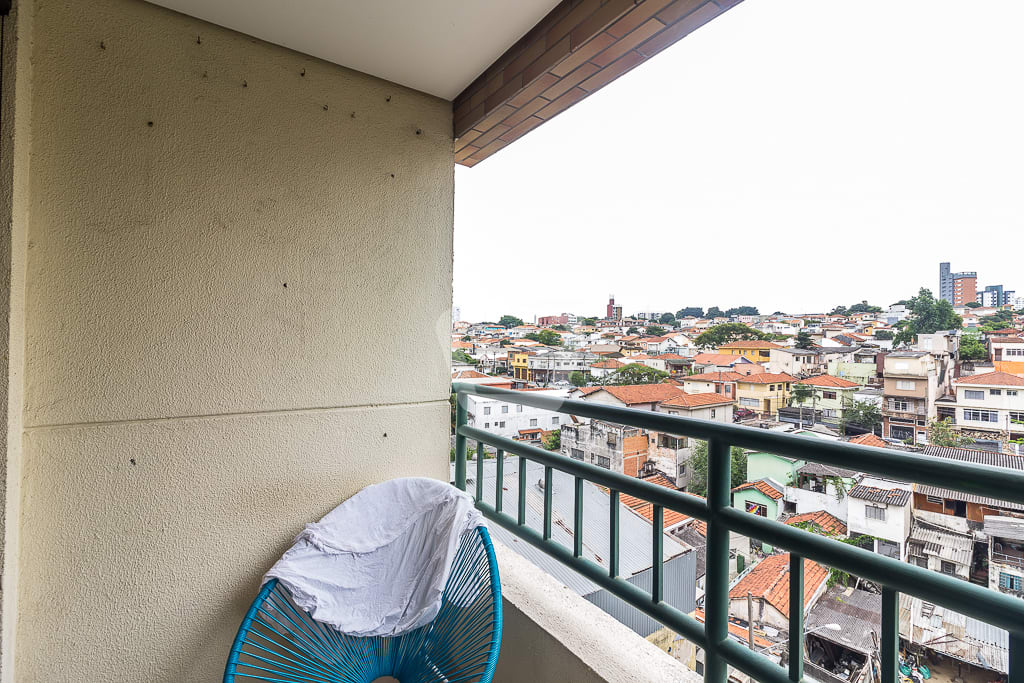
column 796, row 208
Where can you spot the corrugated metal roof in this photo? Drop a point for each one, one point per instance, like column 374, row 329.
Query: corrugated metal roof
column 1005, row 527
column 943, row 543
column 634, row 531
column 1013, row 462
column 827, row 470
column 954, row 634
column 856, row 612
column 966, row 497
column 897, row 497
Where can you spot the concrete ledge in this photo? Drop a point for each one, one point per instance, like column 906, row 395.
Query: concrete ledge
column 552, row 634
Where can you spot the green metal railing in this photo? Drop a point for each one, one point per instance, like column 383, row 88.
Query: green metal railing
column 895, row 577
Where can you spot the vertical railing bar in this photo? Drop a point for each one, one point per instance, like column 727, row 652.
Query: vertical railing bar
column 613, row 534
column 658, row 554
column 716, row 600
column 461, row 419
column 577, row 519
column 796, row 617
column 480, row 470
column 890, row 647
column 499, row 488
column 547, row 502
column 1016, row 657
column 522, row 490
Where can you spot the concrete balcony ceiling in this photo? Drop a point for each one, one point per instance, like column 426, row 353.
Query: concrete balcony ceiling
column 436, row 47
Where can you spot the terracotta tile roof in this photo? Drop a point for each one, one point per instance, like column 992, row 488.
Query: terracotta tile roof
column 769, row 580
column 646, row 509
column 1006, row 340
column 698, row 400
column 997, row 378
column 738, row 631
column 1005, row 330
column 587, row 391
column 531, row 430
column 671, row 356
column 701, row 527
column 825, row 520
column 631, row 394
column 769, row 378
column 750, row 344
column 829, row 381
column 715, row 377
column 462, row 345
column 869, row 439
column 718, row 359
column 610, row 364
column 762, row 486
column 468, row 374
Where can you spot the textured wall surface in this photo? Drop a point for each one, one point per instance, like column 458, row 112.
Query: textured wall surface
column 186, row 411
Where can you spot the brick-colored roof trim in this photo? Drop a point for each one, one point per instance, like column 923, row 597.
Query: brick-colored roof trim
column 997, row 378
column 769, row 581
column 762, row 486
column 750, row 344
column 631, row 394
column 574, row 51
column 698, row 400
column 829, row 381
column 869, row 439
column 825, row 520
column 769, row 378
column 726, row 376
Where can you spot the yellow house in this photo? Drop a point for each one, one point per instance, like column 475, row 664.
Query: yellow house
column 764, row 393
column 757, row 351
column 518, row 363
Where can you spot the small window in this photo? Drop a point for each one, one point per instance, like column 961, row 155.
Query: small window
column 487, row 410
column 533, row 422
column 938, row 500
column 602, row 461
column 948, row 567
column 995, row 392
column 921, row 562
column 828, row 395
column 974, row 395
column 874, row 512
column 487, row 425
column 712, row 413
column 1011, row 392
column 1009, row 581
column 554, row 420
column 504, row 409
column 906, row 385
column 519, row 409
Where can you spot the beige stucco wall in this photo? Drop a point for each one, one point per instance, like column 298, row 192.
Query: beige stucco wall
column 185, row 411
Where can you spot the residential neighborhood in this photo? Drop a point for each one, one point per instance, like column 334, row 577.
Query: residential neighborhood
column 942, row 378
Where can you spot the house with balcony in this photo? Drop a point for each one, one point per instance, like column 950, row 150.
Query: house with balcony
column 756, row 351
column 941, row 543
column 881, row 509
column 722, row 362
column 912, row 382
column 820, row 487
column 675, row 451
column 862, row 368
column 1007, row 352
column 829, row 394
column 764, row 393
column 1006, row 554
column 555, row 367
column 796, row 362
column 990, row 408
column 714, row 382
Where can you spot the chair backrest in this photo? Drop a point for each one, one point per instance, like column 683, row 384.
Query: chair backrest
column 279, row 642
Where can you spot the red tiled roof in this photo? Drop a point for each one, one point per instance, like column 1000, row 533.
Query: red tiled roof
column 670, row 356
column 718, row 359
column 825, row 520
column 997, row 378
column 701, row 527
column 1005, row 330
column 769, row 580
column 468, row 374
column 829, row 381
column 610, row 364
column 632, row 394
column 738, row 631
column 531, row 430
column 869, row 439
column 762, row 486
column 769, row 378
column 750, row 344
column 1007, row 340
column 698, row 400
column 646, row 509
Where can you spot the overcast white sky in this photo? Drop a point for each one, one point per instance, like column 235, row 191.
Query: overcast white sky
column 792, row 155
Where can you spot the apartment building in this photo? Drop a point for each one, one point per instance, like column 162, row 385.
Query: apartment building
column 912, row 381
column 512, row 421
column 556, row 366
column 614, row 447
column 990, row 408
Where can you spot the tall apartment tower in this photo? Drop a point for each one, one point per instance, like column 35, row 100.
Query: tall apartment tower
column 957, row 288
column 610, row 313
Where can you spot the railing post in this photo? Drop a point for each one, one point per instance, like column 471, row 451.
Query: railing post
column 1016, row 657
column 613, row 534
column 658, row 554
column 890, row 648
column 461, row 419
column 716, row 600
column 796, row 617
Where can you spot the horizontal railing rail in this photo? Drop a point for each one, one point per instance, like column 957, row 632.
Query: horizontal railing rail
column 895, row 577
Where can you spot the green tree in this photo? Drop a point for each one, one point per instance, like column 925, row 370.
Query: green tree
column 505, row 342
column 577, row 378
column 838, row 310
column 590, row 321
column 800, row 394
column 972, row 304
column 460, row 356
column 941, row 433
column 635, row 373
column 655, row 330
column 718, row 335
column 510, row 321
column 545, row 337
column 699, row 468
column 561, row 328
column 467, row 338
column 863, row 414
column 553, row 441
column 884, row 334
column 864, row 307
column 972, row 347
column 928, row 316
column 695, row 311
column 804, row 340
column 742, row 310
column 667, row 318
column 714, row 312
column 633, row 330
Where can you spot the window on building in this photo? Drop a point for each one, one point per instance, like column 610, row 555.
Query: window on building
column 828, row 395
column 906, row 385
column 1011, row 392
column 500, row 424
column 1016, row 416
column 995, row 392
column 948, row 567
column 974, row 395
column 602, row 461
column 756, row 509
column 981, row 415
column 554, row 420
column 751, row 402
column 519, row 409
column 612, row 441
column 533, row 422
column 576, row 454
column 712, row 413
column 487, row 425
column 504, row 409
column 487, row 410
column 1009, row 581
column 874, row 512
column 900, row 406
column 921, row 562
column 935, row 499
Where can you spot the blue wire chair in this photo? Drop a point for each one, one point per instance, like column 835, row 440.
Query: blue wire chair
column 279, row 642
